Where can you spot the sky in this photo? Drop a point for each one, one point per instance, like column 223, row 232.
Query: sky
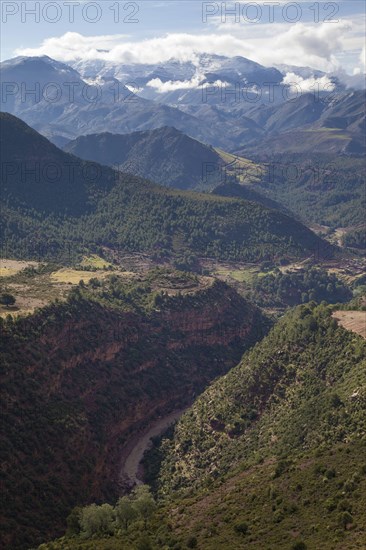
column 327, row 36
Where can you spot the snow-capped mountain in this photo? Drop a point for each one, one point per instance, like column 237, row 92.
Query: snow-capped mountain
column 227, row 102
column 58, row 102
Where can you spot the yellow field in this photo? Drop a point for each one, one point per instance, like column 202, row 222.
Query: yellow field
column 11, row 267
column 95, row 261
column 246, row 170
column 244, row 275
column 73, row 276
column 7, row 271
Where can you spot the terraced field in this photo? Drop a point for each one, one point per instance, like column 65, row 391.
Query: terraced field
column 352, row 320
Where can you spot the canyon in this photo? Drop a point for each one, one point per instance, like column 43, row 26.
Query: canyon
column 89, row 377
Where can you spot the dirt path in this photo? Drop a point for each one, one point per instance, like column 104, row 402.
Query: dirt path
column 130, row 470
column 352, row 320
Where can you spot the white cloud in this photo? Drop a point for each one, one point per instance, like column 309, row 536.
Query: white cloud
column 72, row 46
column 320, row 46
column 300, row 85
column 363, row 59
column 172, row 85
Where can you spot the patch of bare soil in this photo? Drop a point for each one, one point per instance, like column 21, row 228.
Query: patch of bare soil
column 352, row 320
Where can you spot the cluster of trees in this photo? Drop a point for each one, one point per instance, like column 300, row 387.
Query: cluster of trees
column 355, row 238
column 319, row 188
column 99, row 520
column 299, row 287
column 7, row 299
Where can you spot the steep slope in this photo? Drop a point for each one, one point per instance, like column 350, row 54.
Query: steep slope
column 36, row 174
column 80, row 378
column 272, row 455
column 292, row 392
column 165, row 156
column 95, row 206
column 294, row 402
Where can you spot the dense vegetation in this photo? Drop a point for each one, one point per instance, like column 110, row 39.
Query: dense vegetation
column 165, row 155
column 272, row 455
column 247, row 193
column 79, row 377
column 277, row 401
column 59, row 216
column 356, row 238
column 322, row 188
column 284, row 289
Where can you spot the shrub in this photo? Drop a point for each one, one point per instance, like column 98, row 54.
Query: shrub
column 345, row 519
column 191, row 542
column 345, row 506
column 330, row 504
column 241, row 528
column 96, row 520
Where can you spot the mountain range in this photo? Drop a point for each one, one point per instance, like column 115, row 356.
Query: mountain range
column 318, row 187
column 228, row 102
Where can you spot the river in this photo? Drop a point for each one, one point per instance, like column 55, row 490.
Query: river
column 130, row 469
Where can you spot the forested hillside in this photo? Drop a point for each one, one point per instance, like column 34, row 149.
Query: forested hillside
column 78, row 378
column 283, row 289
column 271, row 455
column 319, row 187
column 165, row 156
column 291, row 393
column 67, row 204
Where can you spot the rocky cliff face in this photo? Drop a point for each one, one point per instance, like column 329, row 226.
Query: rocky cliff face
column 80, row 379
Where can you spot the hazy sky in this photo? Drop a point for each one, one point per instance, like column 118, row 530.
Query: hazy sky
column 324, row 35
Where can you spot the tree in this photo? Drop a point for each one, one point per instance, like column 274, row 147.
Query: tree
column 7, row 299
column 143, row 502
column 96, row 520
column 125, row 511
column 73, row 521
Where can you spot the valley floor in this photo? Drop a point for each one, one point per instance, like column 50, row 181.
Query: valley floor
column 131, row 469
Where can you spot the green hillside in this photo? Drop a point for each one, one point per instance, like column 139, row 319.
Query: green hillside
column 164, row 155
column 54, row 213
column 291, row 393
column 271, row 455
column 322, row 188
